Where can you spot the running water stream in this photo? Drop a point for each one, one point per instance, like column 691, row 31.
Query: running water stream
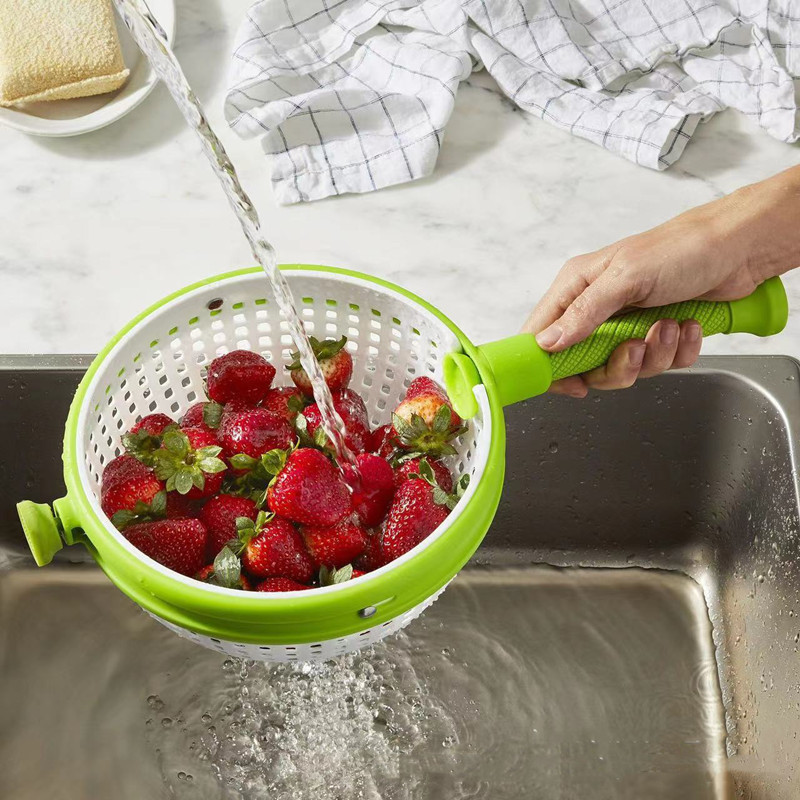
column 152, row 41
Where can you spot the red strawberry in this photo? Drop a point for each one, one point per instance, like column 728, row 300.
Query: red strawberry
column 154, row 424
column 334, row 546
column 208, row 575
column 443, row 476
column 375, row 489
column 334, row 361
column 357, row 573
column 206, row 415
column 280, row 585
column 254, row 433
column 285, row 401
column 130, row 487
column 373, row 556
column 179, row 506
column 383, row 441
column 120, row 466
column 219, row 515
column 188, row 461
column 179, row 544
column 420, row 505
column 425, row 421
column 309, row 490
column 353, row 412
column 272, row 548
column 240, row 376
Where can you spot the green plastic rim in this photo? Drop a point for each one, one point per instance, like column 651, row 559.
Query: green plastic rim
column 299, row 617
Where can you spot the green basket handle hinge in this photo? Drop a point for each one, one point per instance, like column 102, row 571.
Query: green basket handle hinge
column 521, row 369
column 46, row 529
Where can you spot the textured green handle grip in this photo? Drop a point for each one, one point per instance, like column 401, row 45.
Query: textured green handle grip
column 596, row 350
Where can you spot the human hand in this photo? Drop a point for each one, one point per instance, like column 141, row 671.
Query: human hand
column 720, row 251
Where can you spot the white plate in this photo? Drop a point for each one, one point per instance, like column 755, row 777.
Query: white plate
column 84, row 114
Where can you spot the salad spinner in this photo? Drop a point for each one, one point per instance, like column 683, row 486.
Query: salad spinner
column 156, row 364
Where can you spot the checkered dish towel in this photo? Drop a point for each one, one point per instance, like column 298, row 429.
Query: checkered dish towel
column 353, row 95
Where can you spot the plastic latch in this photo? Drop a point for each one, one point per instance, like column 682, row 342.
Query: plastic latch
column 42, row 530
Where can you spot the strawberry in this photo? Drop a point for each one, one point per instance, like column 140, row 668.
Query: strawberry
column 373, row 556
column 179, row 506
column 334, row 361
column 374, row 490
column 210, row 574
column 154, row 424
column 285, row 401
column 281, row 585
column 131, row 487
column 425, row 422
column 334, row 546
column 357, row 573
column 271, row 547
column 179, row 544
column 420, row 505
column 383, row 441
column 353, row 412
column 253, row 433
column 308, row 489
column 410, row 467
column 206, row 415
column 219, row 515
column 240, row 376
column 119, row 466
column 188, row 460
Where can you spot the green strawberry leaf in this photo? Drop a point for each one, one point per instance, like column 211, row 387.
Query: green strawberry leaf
column 141, row 445
column 212, row 414
column 243, row 461
column 177, row 443
column 122, row 519
column 210, row 451
column 182, row 482
column 227, row 568
column 441, row 422
column 426, row 472
column 296, row 403
column 158, row 505
column 211, row 465
column 330, row 576
column 273, row 461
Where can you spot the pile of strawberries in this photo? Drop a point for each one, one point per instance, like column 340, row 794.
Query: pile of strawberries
column 245, row 490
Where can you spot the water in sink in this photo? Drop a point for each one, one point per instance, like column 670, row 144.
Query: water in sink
column 533, row 682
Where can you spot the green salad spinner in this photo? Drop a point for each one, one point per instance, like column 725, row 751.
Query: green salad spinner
column 156, row 364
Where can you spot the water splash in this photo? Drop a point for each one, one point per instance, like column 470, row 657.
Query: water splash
column 152, row 41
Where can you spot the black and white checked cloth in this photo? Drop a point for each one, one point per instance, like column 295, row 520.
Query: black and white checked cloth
column 353, row 95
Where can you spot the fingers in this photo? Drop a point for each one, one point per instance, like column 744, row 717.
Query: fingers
column 571, row 280
column 667, row 345
column 601, row 299
column 691, row 340
column 621, row 370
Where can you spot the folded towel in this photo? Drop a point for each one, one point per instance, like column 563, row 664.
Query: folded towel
column 57, row 49
column 353, row 95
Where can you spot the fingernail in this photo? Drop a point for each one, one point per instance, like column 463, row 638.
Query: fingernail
column 636, row 355
column 693, row 332
column 549, row 336
column 669, row 333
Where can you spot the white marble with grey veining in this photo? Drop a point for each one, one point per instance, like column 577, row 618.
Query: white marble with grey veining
column 96, row 227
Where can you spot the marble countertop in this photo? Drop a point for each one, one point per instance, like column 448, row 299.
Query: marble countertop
column 96, row 227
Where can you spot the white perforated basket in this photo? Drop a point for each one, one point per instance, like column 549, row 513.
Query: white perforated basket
column 158, row 365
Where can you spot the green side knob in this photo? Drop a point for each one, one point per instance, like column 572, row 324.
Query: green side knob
column 41, row 530
column 521, row 369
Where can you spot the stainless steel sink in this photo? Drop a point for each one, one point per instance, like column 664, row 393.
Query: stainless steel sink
column 629, row 628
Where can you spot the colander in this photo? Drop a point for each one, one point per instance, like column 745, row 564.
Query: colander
column 155, row 364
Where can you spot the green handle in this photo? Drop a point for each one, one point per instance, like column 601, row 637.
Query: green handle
column 521, row 369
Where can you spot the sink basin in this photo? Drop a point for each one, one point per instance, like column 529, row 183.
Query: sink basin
column 629, row 628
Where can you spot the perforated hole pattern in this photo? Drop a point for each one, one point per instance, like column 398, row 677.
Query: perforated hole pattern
column 159, row 366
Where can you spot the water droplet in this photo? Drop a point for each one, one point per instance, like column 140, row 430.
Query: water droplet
column 206, row 718
column 553, row 447
column 155, row 702
column 166, row 722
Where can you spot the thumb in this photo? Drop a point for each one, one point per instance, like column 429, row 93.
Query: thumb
column 600, row 300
